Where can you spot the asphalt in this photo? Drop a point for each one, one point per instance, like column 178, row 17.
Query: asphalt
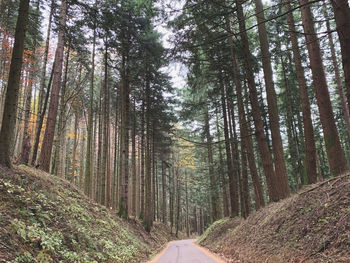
column 184, row 251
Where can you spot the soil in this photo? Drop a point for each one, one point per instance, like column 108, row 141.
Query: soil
column 311, row 226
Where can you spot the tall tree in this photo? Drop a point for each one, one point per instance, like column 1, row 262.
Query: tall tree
column 335, row 154
column 277, row 146
column 46, row 150
column 10, row 109
column 309, row 140
column 341, row 10
column 338, row 79
column 89, row 147
column 256, row 112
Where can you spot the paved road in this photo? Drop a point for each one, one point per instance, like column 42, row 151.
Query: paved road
column 184, row 252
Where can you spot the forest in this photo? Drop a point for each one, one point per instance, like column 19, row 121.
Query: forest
column 179, row 112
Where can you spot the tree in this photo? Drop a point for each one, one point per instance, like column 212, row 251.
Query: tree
column 341, row 10
column 45, row 155
column 89, row 147
column 278, row 154
column 305, row 103
column 256, row 112
column 10, row 109
column 334, row 150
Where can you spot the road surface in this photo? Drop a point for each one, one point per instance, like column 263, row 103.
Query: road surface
column 185, row 251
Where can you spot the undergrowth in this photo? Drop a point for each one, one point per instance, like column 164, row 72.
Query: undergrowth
column 46, row 219
column 311, row 226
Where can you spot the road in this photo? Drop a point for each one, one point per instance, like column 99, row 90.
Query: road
column 184, row 251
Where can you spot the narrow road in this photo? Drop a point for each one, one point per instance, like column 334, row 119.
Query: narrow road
column 184, row 251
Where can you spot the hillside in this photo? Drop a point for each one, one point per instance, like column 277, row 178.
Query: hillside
column 312, row 226
column 46, row 219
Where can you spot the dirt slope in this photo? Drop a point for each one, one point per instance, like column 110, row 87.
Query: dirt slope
column 46, row 219
column 312, row 226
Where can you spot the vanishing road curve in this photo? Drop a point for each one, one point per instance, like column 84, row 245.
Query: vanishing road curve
column 184, row 251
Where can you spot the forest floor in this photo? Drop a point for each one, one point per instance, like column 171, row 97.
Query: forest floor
column 311, row 226
column 47, row 219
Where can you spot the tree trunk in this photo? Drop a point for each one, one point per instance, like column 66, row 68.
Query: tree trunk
column 26, row 142
column 11, row 98
column 171, row 198
column 124, row 171
column 99, row 150
column 246, row 141
column 133, row 161
column 213, row 188
column 164, row 200
column 277, row 146
column 82, row 161
column 256, row 112
column 335, row 153
column 105, row 155
column 310, row 148
column 75, row 145
column 338, row 79
column 142, row 161
column 148, row 160
column 89, row 146
column 41, row 119
column 178, row 199
column 45, row 155
column 187, row 207
column 232, row 179
column 342, row 18
column 61, row 140
column 46, row 54
column 225, row 202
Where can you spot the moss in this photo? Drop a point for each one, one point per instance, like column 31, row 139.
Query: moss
column 212, row 228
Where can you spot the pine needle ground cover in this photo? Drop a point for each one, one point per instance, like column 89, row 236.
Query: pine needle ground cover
column 312, row 226
column 46, row 219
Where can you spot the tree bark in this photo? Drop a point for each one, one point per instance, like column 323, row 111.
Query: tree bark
column 41, row 119
column 232, row 178
column 338, row 79
column 335, row 154
column 341, row 10
column 277, row 146
column 256, row 112
column 45, row 155
column 75, row 145
column 89, row 146
column 309, row 141
column 164, row 200
column 148, row 160
column 105, row 155
column 213, row 188
column 10, row 109
column 133, row 161
column 246, row 140
column 26, row 142
column 124, row 160
column 61, row 140
column 46, row 54
column 178, row 199
column 225, row 202
column 187, row 207
column 142, row 161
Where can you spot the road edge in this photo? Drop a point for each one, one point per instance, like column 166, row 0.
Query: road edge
column 208, row 253
column 160, row 253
